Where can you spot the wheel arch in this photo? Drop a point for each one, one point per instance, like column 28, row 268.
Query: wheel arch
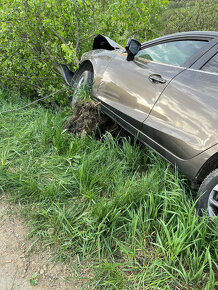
column 210, row 165
column 70, row 76
column 85, row 65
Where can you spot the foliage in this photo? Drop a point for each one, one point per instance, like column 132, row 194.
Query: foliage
column 107, row 201
column 37, row 35
column 190, row 16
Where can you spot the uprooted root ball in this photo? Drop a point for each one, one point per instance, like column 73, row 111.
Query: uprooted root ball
column 88, row 119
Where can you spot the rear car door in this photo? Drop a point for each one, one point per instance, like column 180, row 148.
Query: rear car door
column 184, row 121
column 131, row 88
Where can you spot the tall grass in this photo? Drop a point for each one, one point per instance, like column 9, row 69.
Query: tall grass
column 108, row 201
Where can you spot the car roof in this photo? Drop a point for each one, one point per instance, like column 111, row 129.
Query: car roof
column 194, row 34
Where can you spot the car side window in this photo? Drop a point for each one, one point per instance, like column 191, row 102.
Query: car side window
column 174, row 52
column 212, row 65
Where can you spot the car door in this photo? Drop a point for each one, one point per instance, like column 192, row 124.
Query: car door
column 183, row 122
column 131, row 88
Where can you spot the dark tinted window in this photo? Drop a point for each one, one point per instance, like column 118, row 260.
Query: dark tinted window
column 211, row 65
column 174, row 52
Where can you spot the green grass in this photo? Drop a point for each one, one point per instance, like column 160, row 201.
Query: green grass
column 117, row 205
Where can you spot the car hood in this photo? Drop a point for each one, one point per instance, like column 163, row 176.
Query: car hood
column 104, row 42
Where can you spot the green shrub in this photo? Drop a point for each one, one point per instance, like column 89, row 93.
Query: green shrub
column 37, row 35
column 191, row 16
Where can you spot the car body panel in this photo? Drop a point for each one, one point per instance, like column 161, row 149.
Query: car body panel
column 183, row 120
column 189, row 167
column 100, row 59
column 126, row 86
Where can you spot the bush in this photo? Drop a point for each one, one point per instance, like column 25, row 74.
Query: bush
column 191, row 16
column 38, row 35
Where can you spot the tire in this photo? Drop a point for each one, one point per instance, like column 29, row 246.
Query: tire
column 208, row 195
column 84, row 80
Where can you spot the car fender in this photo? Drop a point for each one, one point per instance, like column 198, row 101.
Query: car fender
column 100, row 60
column 99, row 57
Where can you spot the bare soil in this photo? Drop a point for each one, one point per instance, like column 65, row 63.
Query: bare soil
column 35, row 269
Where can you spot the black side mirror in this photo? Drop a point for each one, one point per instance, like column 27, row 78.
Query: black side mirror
column 132, row 48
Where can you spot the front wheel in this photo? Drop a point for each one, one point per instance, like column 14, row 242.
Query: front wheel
column 83, row 81
column 208, row 195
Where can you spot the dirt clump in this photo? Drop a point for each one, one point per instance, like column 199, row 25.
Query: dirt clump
column 89, row 119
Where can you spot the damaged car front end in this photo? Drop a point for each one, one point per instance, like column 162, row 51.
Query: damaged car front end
column 164, row 92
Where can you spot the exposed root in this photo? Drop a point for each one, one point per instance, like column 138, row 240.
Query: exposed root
column 88, row 119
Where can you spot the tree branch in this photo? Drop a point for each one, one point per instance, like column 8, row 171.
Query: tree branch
column 77, row 30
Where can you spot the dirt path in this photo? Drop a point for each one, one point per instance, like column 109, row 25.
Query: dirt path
column 19, row 270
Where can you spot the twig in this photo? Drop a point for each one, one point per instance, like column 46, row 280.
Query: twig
column 19, row 81
column 77, row 30
column 59, row 37
column 93, row 18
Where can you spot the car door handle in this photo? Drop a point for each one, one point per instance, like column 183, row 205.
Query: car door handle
column 155, row 78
